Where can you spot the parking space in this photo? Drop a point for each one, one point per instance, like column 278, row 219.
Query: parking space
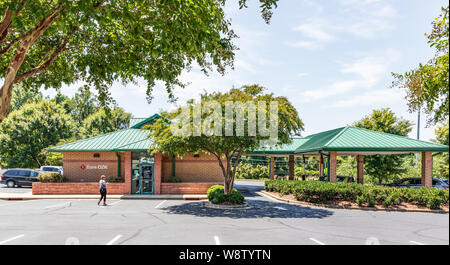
column 189, row 222
column 4, row 189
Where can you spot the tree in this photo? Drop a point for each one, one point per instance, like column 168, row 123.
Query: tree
column 102, row 122
column 385, row 167
column 51, row 43
column 31, row 129
column 427, row 85
column 212, row 112
column 441, row 161
column 21, row 96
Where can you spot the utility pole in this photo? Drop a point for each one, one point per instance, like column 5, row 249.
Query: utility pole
column 418, row 131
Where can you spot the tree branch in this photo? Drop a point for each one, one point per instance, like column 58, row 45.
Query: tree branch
column 50, row 60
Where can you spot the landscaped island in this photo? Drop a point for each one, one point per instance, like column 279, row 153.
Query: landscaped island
column 362, row 195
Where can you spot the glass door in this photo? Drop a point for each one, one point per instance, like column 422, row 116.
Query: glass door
column 146, row 178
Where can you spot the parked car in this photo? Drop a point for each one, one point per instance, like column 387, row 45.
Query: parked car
column 19, row 177
column 417, row 183
column 52, row 169
column 346, row 179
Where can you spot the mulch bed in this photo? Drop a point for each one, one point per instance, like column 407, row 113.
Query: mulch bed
column 347, row 204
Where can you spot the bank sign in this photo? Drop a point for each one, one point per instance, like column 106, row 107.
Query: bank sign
column 89, row 167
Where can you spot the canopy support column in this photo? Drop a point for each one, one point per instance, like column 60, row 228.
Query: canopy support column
column 333, row 166
column 291, row 167
column 360, row 169
column 272, row 168
column 427, row 169
column 320, row 166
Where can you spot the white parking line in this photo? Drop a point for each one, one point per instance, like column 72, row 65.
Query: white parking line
column 416, row 243
column 317, row 241
column 280, row 208
column 112, row 241
column 65, row 204
column 10, row 239
column 216, row 239
column 114, row 203
column 157, row 206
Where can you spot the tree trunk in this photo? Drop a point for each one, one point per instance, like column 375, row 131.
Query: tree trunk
column 16, row 62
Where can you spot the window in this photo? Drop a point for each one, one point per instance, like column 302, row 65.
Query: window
column 97, row 155
column 24, row 173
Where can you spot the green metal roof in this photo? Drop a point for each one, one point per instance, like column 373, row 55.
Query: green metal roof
column 352, row 139
column 282, row 149
column 139, row 122
column 134, row 121
column 135, row 140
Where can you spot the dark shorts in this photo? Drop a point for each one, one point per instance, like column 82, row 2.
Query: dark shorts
column 103, row 191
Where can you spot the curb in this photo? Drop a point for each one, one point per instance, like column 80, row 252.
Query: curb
column 226, row 207
column 362, row 208
column 112, row 197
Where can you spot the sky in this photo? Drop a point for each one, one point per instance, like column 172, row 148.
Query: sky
column 331, row 58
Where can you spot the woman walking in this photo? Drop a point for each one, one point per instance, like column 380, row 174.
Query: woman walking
column 102, row 184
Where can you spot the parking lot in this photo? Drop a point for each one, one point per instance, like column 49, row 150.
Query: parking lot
column 190, row 222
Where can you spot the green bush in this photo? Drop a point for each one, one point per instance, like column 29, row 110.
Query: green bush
column 321, row 192
column 216, row 195
column 51, row 177
column 174, row 179
column 116, row 179
column 247, row 171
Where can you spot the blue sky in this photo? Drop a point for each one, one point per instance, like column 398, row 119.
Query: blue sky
column 331, row 58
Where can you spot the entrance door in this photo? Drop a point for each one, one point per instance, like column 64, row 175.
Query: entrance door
column 146, row 178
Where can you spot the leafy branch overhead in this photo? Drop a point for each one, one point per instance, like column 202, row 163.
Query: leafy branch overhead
column 53, row 43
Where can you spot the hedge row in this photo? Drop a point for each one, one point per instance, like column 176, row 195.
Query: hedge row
column 322, row 192
column 51, row 177
column 216, row 195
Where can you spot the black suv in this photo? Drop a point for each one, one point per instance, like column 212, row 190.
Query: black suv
column 19, row 177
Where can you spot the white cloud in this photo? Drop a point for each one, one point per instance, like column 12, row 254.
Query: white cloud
column 315, row 30
column 367, row 71
column 300, row 75
column 381, row 97
column 309, row 45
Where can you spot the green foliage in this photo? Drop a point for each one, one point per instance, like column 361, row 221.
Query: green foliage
column 346, row 166
column 29, row 130
column 386, row 167
column 224, row 148
column 441, row 161
column 364, row 195
column 102, row 122
column 100, row 42
column 22, row 96
column 115, row 179
column 51, row 177
column 216, row 195
column 247, row 171
column 427, row 85
column 174, row 179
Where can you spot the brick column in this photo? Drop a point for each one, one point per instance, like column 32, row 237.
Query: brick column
column 158, row 173
column 127, row 169
column 320, row 166
column 332, row 169
column 360, row 169
column 291, row 167
column 272, row 167
column 427, row 169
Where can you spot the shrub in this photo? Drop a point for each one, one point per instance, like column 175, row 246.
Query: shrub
column 216, row 195
column 116, row 179
column 51, row 177
column 174, row 179
column 247, row 171
column 318, row 191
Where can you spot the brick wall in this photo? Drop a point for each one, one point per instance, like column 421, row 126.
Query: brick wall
column 186, row 188
column 75, row 188
column 76, row 166
column 204, row 168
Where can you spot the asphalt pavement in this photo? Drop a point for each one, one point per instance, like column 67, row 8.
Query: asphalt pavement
column 265, row 221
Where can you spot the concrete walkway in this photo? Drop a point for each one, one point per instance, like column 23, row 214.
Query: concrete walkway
column 29, row 196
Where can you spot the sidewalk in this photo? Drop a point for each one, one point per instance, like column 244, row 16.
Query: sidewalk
column 29, row 196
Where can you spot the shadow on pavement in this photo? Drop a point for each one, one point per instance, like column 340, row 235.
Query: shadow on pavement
column 257, row 209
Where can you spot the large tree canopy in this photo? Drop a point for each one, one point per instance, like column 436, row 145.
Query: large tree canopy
column 226, row 145
column 427, row 85
column 29, row 130
column 51, row 43
column 385, row 167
